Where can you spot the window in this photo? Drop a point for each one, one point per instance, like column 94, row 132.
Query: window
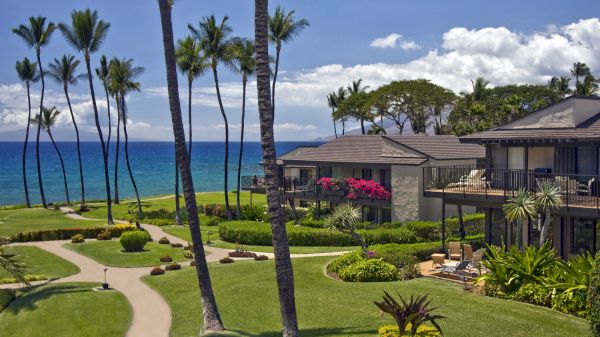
column 366, row 174
column 326, row 171
column 584, row 235
column 498, row 233
column 516, row 158
column 382, row 177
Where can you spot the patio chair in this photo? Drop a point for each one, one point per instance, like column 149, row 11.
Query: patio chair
column 460, row 269
column 474, row 179
column 454, row 251
column 468, row 252
column 476, row 260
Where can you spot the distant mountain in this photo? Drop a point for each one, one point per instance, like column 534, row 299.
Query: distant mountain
column 59, row 134
column 390, row 129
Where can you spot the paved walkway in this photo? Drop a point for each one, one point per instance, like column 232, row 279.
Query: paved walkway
column 151, row 314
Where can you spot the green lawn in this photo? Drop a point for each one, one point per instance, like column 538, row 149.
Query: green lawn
column 184, row 233
column 98, row 210
column 41, row 262
column 68, row 309
column 34, row 219
column 111, row 253
column 247, row 297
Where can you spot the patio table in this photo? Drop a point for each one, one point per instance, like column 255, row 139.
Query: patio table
column 438, row 259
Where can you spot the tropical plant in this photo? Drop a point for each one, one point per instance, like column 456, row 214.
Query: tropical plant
column 63, row 72
column 122, row 76
column 102, row 74
column 212, row 318
column 332, row 103
column 214, row 41
column 37, row 35
column 283, row 28
column 344, row 218
column 356, row 89
column 28, row 73
column 85, row 35
column 11, row 264
column 414, row 312
column 283, row 263
column 243, row 63
column 47, row 122
column 519, row 209
column 572, row 275
column 578, row 70
column 593, row 297
column 589, row 86
column 340, row 97
column 547, row 199
column 560, row 85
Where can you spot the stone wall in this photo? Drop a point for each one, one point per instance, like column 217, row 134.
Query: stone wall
column 406, row 190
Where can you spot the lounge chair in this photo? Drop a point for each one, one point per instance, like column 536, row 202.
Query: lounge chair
column 454, row 251
column 459, row 270
column 468, row 252
column 475, row 179
column 476, row 260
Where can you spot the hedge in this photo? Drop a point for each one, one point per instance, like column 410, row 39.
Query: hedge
column 68, row 233
column 593, row 297
column 422, row 251
column 259, row 233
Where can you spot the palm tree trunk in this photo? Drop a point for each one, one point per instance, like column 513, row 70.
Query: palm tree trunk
column 544, row 231
column 62, row 165
column 461, row 223
column 362, row 125
column 334, row 126
column 109, row 217
column 343, row 126
column 277, row 51
column 226, row 165
column 24, row 160
column 212, row 318
column 239, row 170
column 190, row 118
column 283, row 263
column 135, row 189
column 37, row 138
column 116, row 177
column 109, row 124
column 177, row 211
column 82, row 205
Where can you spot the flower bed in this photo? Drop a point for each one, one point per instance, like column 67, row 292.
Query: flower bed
column 354, row 188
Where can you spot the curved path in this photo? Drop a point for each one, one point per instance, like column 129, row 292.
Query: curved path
column 151, row 314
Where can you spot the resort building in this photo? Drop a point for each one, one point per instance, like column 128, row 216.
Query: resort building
column 381, row 173
column 559, row 143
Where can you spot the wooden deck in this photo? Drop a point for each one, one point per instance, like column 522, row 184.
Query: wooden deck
column 428, row 269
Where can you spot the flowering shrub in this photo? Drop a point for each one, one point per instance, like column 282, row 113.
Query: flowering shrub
column 355, row 188
column 330, row 184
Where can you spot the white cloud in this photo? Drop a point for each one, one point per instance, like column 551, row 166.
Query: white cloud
column 394, row 40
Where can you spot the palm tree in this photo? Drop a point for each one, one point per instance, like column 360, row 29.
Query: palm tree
column 122, row 76
column 479, row 88
column 192, row 63
column 340, row 97
column 589, row 86
column 332, row 103
column 357, row 88
column 86, row 34
column 28, row 73
column 520, row 209
column 547, row 199
column 102, row 74
column 283, row 28
column 579, row 69
column 212, row 318
column 243, row 63
column 37, row 35
column 47, row 122
column 63, row 72
column 11, row 263
column 560, row 85
column 215, row 43
column 283, row 263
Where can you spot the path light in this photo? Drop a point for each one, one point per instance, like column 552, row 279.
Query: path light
column 105, row 285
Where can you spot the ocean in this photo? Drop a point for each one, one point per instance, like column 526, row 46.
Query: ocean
column 152, row 163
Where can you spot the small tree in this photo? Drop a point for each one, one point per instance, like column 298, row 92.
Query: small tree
column 594, row 297
column 344, row 219
column 547, row 199
column 518, row 210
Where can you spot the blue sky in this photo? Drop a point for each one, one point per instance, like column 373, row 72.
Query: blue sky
column 448, row 42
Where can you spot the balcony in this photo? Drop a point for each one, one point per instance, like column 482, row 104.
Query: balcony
column 308, row 188
column 478, row 183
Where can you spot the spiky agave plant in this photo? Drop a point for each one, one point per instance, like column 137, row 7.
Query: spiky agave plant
column 518, row 210
column 344, row 219
column 414, row 312
column 547, row 199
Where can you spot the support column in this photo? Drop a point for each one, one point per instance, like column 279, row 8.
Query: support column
column 443, row 225
column 318, row 202
column 488, row 226
column 525, row 234
column 461, row 223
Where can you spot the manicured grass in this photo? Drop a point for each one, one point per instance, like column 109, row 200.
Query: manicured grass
column 33, row 219
column 98, row 210
column 247, row 297
column 184, row 233
column 68, row 309
column 111, row 253
column 41, row 262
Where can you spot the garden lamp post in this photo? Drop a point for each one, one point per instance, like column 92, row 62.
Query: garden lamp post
column 105, row 285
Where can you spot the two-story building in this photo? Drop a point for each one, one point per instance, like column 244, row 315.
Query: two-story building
column 394, row 162
column 559, row 143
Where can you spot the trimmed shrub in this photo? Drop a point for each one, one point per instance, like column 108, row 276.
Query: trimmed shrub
column 6, row 296
column 241, row 254
column 189, row 247
column 422, row 331
column 427, row 230
column 594, row 297
column 134, row 241
column 574, row 303
column 77, row 238
column 217, row 210
column 188, row 255
column 193, row 263
column 29, row 278
column 313, row 223
column 344, row 261
column 164, row 241
column 157, row 271
column 177, row 245
column 534, row 293
column 261, row 258
column 210, row 221
column 166, row 258
column 252, row 212
column 395, row 224
column 68, row 233
column 173, row 266
column 226, row 260
column 372, row 270
column 104, row 235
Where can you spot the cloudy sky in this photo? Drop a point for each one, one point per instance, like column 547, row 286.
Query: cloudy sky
column 448, row 42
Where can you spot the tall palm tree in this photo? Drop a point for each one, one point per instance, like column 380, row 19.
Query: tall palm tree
column 63, row 72
column 243, row 63
column 214, row 41
column 122, row 76
column 589, row 86
column 102, row 74
column 578, row 70
column 28, row 73
column 47, row 122
column 283, row 28
column 356, row 87
column 36, row 36
column 192, row 63
column 332, row 103
column 340, row 97
column 479, row 88
column 283, row 263
column 560, row 85
column 212, row 318
column 519, row 209
column 86, row 34
column 547, row 199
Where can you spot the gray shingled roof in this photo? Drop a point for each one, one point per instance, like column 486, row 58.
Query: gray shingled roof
column 368, row 150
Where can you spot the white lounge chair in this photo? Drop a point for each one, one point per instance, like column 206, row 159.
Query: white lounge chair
column 475, row 179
